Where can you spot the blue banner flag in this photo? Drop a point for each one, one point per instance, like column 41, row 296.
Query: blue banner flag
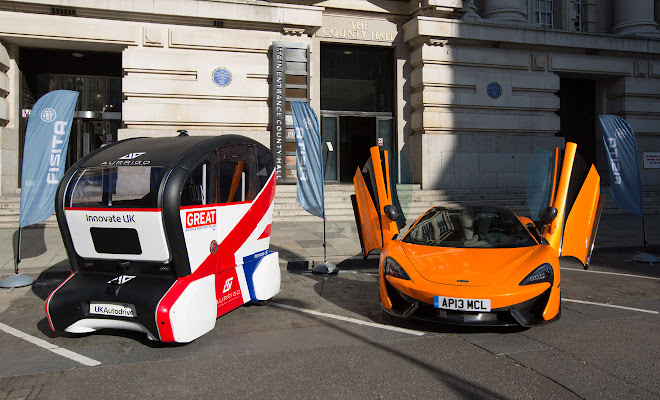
column 44, row 154
column 621, row 149
column 308, row 158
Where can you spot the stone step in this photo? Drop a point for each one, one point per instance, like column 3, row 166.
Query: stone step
column 339, row 207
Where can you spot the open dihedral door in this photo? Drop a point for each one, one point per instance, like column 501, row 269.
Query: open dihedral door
column 577, row 198
column 371, row 196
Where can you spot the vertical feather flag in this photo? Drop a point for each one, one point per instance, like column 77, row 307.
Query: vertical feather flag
column 44, row 154
column 308, row 159
column 621, row 149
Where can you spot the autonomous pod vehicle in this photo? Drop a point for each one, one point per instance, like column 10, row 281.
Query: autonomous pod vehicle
column 165, row 235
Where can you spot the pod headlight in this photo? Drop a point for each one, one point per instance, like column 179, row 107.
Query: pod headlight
column 391, row 267
column 543, row 273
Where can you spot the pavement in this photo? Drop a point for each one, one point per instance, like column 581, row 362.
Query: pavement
column 300, row 244
column 326, row 337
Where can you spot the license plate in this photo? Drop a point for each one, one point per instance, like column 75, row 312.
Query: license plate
column 113, row 309
column 453, row 303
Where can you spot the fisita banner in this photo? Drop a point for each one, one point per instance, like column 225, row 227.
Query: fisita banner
column 621, row 149
column 44, row 154
column 308, row 158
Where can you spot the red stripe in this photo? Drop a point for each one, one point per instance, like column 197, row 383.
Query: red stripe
column 242, row 231
column 110, row 209
column 214, row 205
column 214, row 264
column 50, row 296
column 266, row 232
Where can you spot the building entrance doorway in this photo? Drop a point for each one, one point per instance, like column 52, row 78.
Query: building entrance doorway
column 357, row 106
column 578, row 115
column 97, row 79
column 350, row 137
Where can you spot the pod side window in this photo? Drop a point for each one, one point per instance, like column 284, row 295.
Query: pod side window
column 197, row 187
column 237, row 176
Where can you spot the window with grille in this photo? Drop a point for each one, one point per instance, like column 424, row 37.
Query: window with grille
column 544, row 13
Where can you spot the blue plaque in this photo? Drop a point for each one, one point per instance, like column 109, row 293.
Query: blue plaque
column 494, row 90
column 222, row 77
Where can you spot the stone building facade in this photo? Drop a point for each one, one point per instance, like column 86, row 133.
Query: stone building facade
column 464, row 91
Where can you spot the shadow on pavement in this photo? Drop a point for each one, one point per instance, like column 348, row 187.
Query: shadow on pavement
column 464, row 388
column 33, row 243
column 359, row 294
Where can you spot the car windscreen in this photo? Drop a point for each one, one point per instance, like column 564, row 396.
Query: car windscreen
column 116, row 187
column 470, row 227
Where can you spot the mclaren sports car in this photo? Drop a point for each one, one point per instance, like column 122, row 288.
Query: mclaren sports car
column 479, row 264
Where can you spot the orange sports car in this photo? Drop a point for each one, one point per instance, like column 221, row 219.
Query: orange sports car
column 477, row 264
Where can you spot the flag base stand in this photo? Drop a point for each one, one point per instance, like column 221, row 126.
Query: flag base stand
column 645, row 258
column 16, row 281
column 325, row 268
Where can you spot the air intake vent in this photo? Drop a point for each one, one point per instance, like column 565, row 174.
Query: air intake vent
column 63, row 11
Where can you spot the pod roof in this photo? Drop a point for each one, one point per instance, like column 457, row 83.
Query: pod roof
column 182, row 151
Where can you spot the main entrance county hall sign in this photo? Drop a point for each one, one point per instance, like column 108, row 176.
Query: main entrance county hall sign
column 359, row 29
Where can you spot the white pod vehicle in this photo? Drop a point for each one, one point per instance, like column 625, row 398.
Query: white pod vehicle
column 164, row 235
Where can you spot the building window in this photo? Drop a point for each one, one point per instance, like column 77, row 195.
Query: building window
column 576, row 15
column 544, row 13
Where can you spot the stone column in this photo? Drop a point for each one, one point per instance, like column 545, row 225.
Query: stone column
column 634, row 18
column 503, row 10
column 9, row 118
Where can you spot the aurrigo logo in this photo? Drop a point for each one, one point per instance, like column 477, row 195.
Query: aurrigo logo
column 121, row 279
column 199, row 218
column 131, row 156
column 228, row 283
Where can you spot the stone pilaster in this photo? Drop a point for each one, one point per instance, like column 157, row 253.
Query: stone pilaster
column 635, row 18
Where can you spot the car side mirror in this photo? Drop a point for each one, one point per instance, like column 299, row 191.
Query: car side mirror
column 392, row 212
column 548, row 215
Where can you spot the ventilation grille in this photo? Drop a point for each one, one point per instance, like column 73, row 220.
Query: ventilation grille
column 63, row 11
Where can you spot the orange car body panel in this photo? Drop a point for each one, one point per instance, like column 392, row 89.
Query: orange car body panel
column 376, row 229
column 501, row 295
column 369, row 222
column 383, row 187
column 582, row 219
column 553, row 232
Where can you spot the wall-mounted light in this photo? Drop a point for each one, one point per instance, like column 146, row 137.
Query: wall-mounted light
column 78, row 55
column 348, row 52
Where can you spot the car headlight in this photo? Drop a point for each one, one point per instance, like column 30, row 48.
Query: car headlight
column 543, row 273
column 391, row 267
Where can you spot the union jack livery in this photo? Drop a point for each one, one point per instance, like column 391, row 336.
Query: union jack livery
column 165, row 235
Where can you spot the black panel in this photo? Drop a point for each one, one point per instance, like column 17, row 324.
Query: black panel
column 578, row 176
column 70, row 303
column 577, row 115
column 171, row 197
column 116, row 240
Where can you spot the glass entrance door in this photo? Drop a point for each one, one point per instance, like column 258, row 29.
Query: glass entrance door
column 329, row 132
column 89, row 131
column 350, row 137
column 356, row 136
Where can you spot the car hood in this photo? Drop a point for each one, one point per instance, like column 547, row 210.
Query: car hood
column 479, row 267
